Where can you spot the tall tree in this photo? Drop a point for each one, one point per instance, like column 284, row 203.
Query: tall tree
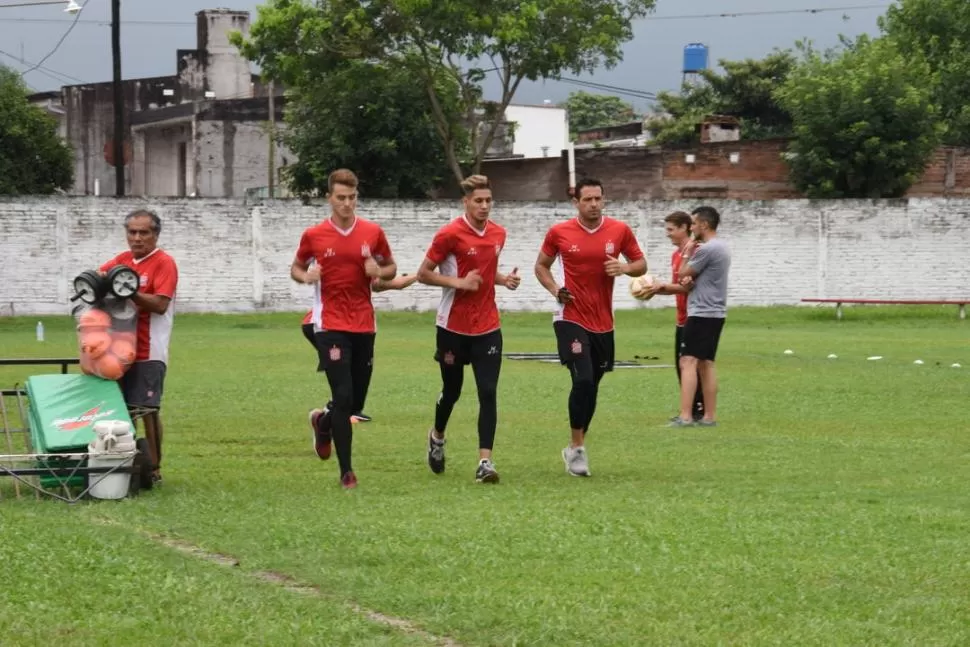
column 744, row 90
column 938, row 32
column 864, row 121
column 587, row 110
column 33, row 158
column 370, row 118
column 467, row 39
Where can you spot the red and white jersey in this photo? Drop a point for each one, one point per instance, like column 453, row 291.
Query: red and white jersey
column 675, row 279
column 342, row 297
column 157, row 275
column 582, row 257
column 457, row 249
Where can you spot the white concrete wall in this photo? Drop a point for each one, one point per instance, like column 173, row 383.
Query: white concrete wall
column 233, row 156
column 539, row 126
column 234, row 257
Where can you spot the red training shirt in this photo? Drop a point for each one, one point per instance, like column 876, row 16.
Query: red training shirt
column 457, row 249
column 342, row 297
column 582, row 254
column 681, row 298
column 158, row 275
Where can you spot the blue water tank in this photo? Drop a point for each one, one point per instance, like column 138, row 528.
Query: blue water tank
column 695, row 57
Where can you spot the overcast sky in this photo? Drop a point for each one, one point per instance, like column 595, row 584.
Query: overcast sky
column 652, row 60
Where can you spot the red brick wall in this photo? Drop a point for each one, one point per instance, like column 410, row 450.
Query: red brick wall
column 654, row 173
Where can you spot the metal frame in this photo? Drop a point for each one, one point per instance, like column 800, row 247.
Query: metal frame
column 13, row 465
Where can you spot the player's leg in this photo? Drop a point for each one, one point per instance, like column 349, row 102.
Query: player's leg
column 363, row 370
column 707, row 370
column 486, row 360
column 602, row 359
column 142, row 387
column 450, row 354
column 575, row 354
column 336, row 358
column 319, row 418
column 698, row 410
column 691, row 349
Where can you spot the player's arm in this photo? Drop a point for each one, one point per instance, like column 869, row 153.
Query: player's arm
column 428, row 275
column 397, row 283
column 510, row 281
column 384, row 269
column 165, row 282
column 301, row 273
column 543, row 270
column 686, row 272
column 155, row 303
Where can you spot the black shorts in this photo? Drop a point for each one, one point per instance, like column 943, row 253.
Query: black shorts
column 455, row 348
column 143, row 383
column 308, row 333
column 701, row 336
column 337, row 347
column 575, row 342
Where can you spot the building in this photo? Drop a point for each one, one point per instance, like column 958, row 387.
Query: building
column 539, row 131
column 202, row 131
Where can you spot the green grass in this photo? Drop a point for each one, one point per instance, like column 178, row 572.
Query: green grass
column 829, row 507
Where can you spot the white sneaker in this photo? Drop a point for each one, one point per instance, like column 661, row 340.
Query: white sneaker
column 577, row 463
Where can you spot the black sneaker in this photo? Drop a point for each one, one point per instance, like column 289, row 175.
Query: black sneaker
column 360, row 416
column 436, row 453
column 486, row 472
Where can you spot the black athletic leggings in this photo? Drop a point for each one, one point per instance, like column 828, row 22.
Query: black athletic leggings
column 484, row 353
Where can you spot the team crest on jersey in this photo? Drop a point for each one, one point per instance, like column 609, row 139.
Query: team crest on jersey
column 335, row 354
column 574, row 248
column 143, row 280
column 365, row 250
column 329, row 252
column 609, row 247
column 577, row 348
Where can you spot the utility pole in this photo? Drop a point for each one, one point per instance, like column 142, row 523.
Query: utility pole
column 272, row 139
column 119, row 100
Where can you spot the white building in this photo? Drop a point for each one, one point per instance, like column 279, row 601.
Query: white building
column 540, row 131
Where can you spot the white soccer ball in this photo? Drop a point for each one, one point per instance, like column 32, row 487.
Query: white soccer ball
column 640, row 283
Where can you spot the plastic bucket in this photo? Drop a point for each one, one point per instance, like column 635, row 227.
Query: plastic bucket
column 114, row 447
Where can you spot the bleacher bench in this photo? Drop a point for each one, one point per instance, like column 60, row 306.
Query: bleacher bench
column 962, row 305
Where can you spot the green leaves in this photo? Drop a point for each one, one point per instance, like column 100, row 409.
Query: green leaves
column 371, row 118
column 865, row 123
column 588, row 110
column 33, row 158
column 299, row 43
column 937, row 33
column 744, row 90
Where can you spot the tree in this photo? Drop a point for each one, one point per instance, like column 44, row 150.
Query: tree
column 744, row 90
column 370, row 118
column 466, row 39
column 588, row 110
column 864, row 121
column 33, row 158
column 938, row 32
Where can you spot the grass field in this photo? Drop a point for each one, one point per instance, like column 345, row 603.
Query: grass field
column 830, row 507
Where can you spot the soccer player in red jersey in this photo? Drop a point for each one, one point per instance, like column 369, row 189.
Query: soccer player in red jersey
column 587, row 247
column 143, row 383
column 360, row 386
column 465, row 253
column 677, row 226
column 349, row 253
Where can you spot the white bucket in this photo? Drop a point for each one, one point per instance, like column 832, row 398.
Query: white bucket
column 114, row 446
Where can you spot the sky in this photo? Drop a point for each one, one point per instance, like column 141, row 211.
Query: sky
column 652, row 60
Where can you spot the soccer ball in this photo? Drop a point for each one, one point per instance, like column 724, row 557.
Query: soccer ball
column 639, row 283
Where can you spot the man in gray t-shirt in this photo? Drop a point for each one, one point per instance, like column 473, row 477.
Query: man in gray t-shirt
column 704, row 266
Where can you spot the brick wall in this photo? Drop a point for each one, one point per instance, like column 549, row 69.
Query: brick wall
column 234, row 257
column 654, row 173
